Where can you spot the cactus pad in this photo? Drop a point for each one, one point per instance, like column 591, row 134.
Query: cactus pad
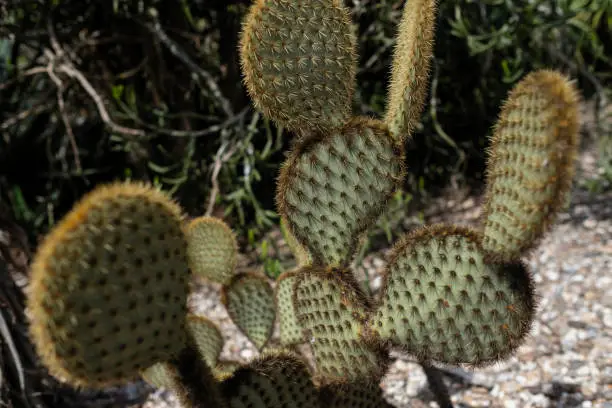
column 289, row 327
column 354, row 395
column 109, row 286
column 249, row 300
column 441, row 302
column 334, row 186
column 278, row 379
column 212, row 249
column 331, row 310
column 299, row 61
column 207, row 338
column 410, row 68
column 160, row 375
column 530, row 164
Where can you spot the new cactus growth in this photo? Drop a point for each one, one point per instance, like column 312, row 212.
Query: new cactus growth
column 109, row 284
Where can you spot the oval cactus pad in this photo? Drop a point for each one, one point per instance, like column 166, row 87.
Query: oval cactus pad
column 249, row 300
column 108, row 295
column 335, row 186
column 530, row 164
column 212, row 249
column 299, row 61
column 441, row 302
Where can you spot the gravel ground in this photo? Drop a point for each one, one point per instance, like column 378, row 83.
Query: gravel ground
column 567, row 360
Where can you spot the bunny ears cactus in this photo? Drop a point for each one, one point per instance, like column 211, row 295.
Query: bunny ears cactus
column 108, row 295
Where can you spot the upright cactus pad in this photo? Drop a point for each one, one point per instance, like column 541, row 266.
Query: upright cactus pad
column 289, row 327
column 331, row 310
column 212, row 249
column 160, row 375
column 441, row 302
column 299, row 61
column 277, row 379
column 410, row 68
column 530, row 164
column 109, row 286
column 249, row 300
column 335, row 185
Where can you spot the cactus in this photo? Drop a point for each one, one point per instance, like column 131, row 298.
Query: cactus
column 109, row 286
column 530, row 164
column 290, row 331
column 441, row 302
column 212, row 249
column 410, row 68
column 450, row 294
column 249, row 300
column 278, row 379
column 335, row 185
column 299, row 62
column 331, row 310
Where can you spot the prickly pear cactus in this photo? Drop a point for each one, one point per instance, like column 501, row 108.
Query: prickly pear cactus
column 299, row 61
column 440, row 301
column 110, row 282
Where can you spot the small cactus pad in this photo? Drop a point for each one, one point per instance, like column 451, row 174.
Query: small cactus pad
column 289, row 327
column 331, row 310
column 441, row 302
column 212, row 249
column 249, row 300
column 353, row 395
column 207, row 338
column 530, row 164
column 410, row 68
column 108, row 294
column 299, row 61
column 272, row 380
column 159, row 375
column 335, row 185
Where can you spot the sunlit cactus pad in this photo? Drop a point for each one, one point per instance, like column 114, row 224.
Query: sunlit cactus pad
column 335, row 185
column 249, row 300
column 109, row 286
column 299, row 61
column 410, row 67
column 289, row 327
column 212, row 249
column 353, row 395
column 272, row 380
column 331, row 310
column 440, row 301
column 530, row 164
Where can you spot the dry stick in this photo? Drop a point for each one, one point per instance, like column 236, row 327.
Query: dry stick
column 219, row 160
column 175, row 49
column 62, row 109
column 437, row 386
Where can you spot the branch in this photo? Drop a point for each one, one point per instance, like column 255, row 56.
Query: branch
column 175, row 49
